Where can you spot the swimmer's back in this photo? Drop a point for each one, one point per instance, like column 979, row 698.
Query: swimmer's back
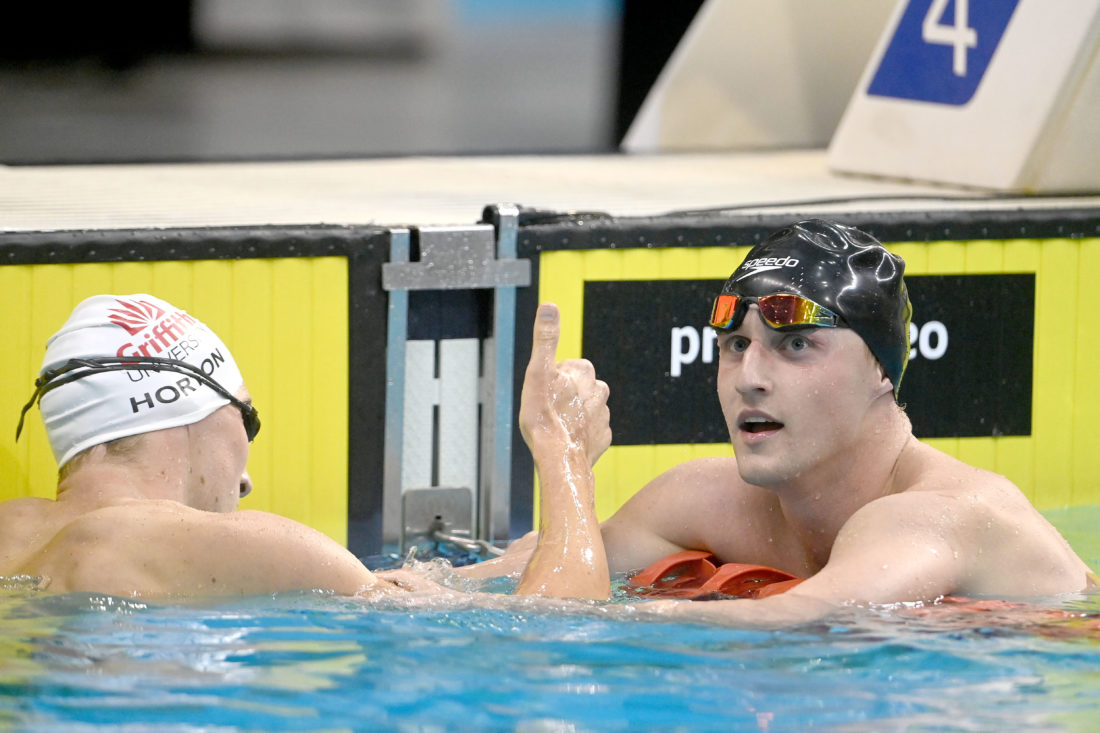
column 63, row 542
column 161, row 548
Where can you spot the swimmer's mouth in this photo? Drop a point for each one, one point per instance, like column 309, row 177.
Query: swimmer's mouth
column 759, row 425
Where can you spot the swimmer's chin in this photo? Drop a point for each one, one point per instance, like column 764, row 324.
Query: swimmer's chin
column 764, row 479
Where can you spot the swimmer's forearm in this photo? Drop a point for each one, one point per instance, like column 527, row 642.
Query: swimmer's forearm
column 512, row 562
column 775, row 612
column 569, row 559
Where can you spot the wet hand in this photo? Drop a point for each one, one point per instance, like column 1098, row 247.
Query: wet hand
column 562, row 402
column 412, row 582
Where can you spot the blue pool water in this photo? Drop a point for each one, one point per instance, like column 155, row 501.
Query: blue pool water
column 309, row 662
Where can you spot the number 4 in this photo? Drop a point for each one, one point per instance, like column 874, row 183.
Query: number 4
column 958, row 35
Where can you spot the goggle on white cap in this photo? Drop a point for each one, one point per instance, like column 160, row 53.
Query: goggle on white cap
column 81, row 409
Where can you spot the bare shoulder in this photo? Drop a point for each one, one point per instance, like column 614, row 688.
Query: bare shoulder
column 22, row 504
column 172, row 521
column 25, row 523
column 17, row 513
column 1002, row 545
column 702, row 504
column 699, row 476
column 928, row 474
column 683, row 493
column 154, row 548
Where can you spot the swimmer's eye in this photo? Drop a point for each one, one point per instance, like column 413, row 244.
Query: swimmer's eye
column 737, row 344
column 798, row 343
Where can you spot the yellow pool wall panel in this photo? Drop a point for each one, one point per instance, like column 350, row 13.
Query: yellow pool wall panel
column 284, row 319
column 1057, row 466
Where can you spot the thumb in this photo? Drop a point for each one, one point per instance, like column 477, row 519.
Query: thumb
column 544, row 342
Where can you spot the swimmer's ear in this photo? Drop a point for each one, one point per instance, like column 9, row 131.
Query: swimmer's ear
column 885, row 386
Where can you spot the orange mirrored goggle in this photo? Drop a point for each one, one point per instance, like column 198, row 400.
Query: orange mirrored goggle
column 781, row 310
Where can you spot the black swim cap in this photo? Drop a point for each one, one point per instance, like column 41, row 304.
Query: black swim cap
column 844, row 269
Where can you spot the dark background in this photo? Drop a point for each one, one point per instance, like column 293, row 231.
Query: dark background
column 981, row 386
column 135, row 81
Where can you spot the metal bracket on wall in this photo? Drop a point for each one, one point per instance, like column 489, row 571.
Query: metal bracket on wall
column 479, row 256
column 457, row 258
column 439, row 509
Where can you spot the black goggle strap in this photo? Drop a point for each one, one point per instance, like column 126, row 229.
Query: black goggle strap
column 75, row 369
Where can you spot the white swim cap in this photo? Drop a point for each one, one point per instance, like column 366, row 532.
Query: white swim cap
column 120, row 401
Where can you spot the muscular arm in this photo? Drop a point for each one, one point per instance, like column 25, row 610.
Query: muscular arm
column 894, row 550
column 667, row 515
column 278, row 552
column 565, row 422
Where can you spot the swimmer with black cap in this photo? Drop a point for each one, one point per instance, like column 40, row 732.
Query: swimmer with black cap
column 822, row 274
column 150, row 422
column 827, row 483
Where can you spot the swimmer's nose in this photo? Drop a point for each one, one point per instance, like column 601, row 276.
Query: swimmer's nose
column 754, row 373
column 246, row 484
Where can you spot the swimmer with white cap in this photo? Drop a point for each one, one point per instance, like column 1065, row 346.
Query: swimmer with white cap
column 124, row 366
column 827, row 483
column 150, row 422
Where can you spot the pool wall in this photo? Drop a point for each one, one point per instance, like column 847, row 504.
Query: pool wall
column 1005, row 381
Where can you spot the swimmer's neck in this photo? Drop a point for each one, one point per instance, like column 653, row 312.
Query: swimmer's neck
column 152, row 473
column 817, row 510
column 96, row 486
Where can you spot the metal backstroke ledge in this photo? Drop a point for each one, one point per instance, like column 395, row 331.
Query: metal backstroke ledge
column 481, row 256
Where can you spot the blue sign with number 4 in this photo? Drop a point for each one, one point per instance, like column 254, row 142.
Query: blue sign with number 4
column 941, row 49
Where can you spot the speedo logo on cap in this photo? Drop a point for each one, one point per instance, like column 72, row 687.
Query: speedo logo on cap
column 764, row 264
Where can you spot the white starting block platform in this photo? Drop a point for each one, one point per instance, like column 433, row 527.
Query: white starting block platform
column 443, row 191
column 995, row 94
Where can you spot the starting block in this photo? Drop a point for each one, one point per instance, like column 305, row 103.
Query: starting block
column 994, row 94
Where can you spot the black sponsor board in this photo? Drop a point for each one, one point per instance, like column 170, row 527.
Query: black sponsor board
column 970, row 374
column 981, row 385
